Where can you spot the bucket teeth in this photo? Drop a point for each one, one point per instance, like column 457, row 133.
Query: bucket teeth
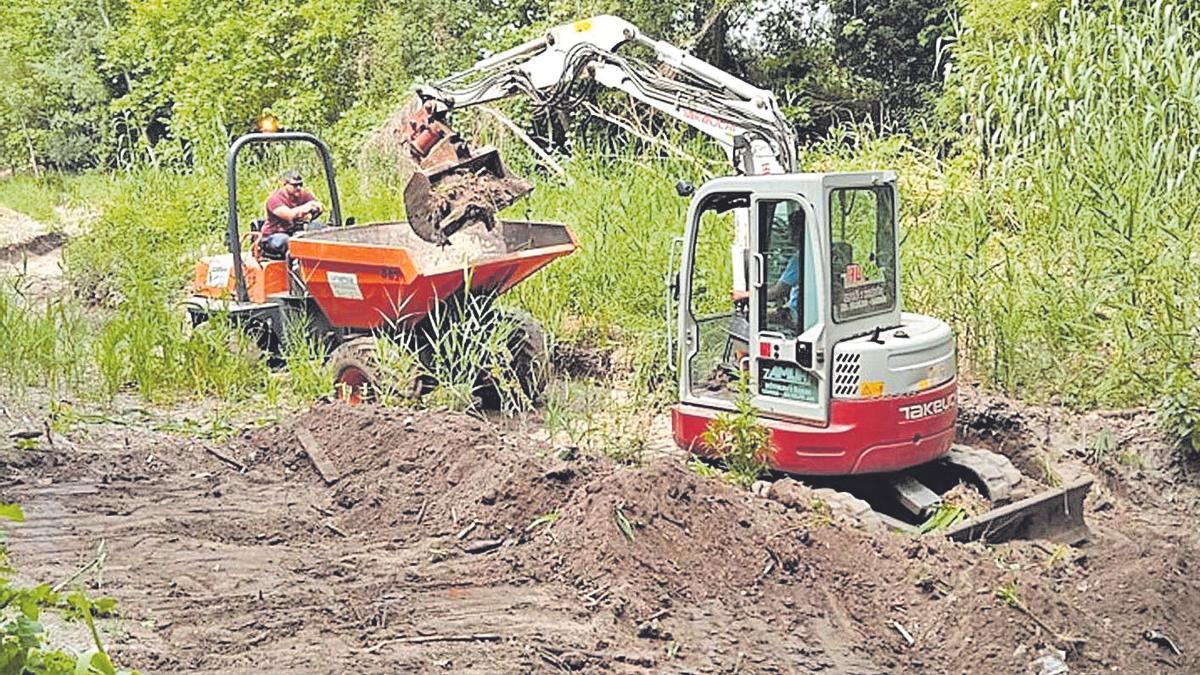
column 443, row 200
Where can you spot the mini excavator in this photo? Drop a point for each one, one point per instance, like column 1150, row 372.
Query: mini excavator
column 857, row 393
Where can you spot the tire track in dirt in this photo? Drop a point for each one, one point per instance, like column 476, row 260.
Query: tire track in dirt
column 218, row 572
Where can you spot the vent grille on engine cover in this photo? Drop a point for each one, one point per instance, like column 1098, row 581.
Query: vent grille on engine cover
column 845, row 374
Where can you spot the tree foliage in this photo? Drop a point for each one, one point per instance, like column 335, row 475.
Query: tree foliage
column 125, row 82
column 893, row 47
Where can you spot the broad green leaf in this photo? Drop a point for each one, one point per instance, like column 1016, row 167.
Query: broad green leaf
column 12, row 512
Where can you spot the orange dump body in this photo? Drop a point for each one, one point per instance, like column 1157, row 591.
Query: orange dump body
column 214, row 277
column 369, row 276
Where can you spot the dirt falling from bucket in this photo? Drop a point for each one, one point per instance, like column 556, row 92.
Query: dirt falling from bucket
column 463, row 198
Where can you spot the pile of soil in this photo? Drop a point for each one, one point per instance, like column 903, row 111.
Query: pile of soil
column 460, row 198
column 471, row 245
column 377, row 540
column 666, row 555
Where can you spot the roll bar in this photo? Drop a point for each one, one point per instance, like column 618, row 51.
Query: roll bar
column 235, row 242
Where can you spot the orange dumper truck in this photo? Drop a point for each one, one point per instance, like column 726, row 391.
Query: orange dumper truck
column 348, row 284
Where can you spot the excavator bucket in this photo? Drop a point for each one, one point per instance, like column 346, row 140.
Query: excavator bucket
column 472, row 189
column 453, row 185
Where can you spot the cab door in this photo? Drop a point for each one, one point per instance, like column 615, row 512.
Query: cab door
column 787, row 328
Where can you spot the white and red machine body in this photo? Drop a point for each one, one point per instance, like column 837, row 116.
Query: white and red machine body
column 846, row 382
column 830, row 420
column 806, row 310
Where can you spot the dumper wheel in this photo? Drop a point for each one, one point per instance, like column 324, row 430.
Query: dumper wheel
column 361, row 375
column 355, row 366
column 529, row 365
column 531, row 355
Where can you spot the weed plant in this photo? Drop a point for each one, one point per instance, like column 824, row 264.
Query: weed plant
column 738, row 440
column 598, row 418
column 24, row 643
column 468, row 353
column 42, row 343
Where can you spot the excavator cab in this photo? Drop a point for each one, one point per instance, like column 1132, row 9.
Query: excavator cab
column 820, row 322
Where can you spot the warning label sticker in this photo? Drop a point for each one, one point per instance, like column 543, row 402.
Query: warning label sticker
column 861, row 300
column 344, row 285
column 218, row 272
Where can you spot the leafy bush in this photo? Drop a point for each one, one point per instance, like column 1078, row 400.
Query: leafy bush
column 24, row 647
column 1179, row 411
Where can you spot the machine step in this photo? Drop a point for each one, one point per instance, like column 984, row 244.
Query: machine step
column 913, row 495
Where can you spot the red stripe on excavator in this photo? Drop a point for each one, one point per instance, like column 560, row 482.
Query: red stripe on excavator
column 863, row 436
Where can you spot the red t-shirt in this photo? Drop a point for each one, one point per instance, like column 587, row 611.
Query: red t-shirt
column 279, row 198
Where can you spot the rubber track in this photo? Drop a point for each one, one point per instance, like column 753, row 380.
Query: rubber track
column 993, row 471
column 847, row 507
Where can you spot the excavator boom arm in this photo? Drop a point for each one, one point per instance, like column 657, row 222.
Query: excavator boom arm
column 733, row 112
column 743, row 119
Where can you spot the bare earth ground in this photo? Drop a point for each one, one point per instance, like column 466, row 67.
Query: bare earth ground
column 447, row 544
column 31, row 251
column 442, row 543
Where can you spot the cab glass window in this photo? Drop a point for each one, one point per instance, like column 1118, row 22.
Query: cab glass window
column 788, row 306
column 862, row 252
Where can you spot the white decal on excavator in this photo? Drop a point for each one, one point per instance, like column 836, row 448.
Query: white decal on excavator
column 922, row 410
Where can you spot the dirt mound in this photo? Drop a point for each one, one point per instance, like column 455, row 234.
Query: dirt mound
column 673, row 561
column 381, row 541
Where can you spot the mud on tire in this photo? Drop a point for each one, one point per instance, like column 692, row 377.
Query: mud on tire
column 355, row 365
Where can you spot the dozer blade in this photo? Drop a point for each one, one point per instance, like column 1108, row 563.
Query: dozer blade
column 1056, row 515
column 442, row 200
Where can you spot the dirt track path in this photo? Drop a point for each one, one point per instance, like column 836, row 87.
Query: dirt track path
column 32, row 251
column 221, row 574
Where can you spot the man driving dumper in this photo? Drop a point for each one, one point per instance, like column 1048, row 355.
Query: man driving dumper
column 289, row 209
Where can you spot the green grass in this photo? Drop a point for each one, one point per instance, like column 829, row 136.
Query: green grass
column 45, row 197
column 44, row 344
column 35, row 197
column 1057, row 237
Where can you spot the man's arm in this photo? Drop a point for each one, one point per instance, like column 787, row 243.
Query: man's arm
column 778, row 291
column 310, row 202
column 289, row 214
column 790, row 277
